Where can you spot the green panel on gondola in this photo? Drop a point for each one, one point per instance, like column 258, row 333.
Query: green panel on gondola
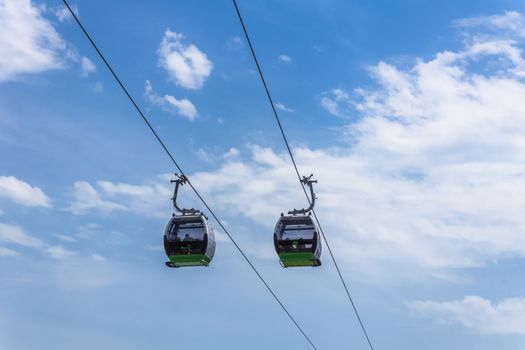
column 189, row 260
column 298, row 259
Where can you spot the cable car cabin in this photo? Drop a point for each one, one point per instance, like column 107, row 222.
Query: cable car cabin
column 188, row 241
column 297, row 241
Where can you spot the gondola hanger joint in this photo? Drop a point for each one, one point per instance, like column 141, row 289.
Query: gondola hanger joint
column 296, row 237
column 188, row 238
column 180, row 181
column 308, row 182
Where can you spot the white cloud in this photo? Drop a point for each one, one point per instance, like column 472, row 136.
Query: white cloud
column 205, row 155
column 148, row 200
column 337, row 102
column 510, row 23
column 23, row 193
column 87, row 66
column 86, row 198
column 282, row 107
column 15, row 235
column 63, row 13
column 478, row 314
column 231, row 154
column 248, row 189
column 98, row 257
column 65, row 238
column 29, row 42
column 234, row 43
column 182, row 107
column 88, row 231
column 285, row 58
column 186, row 65
column 432, row 177
column 210, row 157
column 7, row 252
column 496, row 35
column 59, row 252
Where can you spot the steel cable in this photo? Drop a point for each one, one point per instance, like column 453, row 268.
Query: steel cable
column 145, row 119
column 278, row 120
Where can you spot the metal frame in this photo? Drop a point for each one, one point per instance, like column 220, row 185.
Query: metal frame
column 189, row 215
column 283, row 221
column 209, row 235
column 181, row 180
column 304, row 213
column 306, row 181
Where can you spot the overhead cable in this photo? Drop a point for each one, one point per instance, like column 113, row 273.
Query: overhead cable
column 145, row 119
column 278, row 120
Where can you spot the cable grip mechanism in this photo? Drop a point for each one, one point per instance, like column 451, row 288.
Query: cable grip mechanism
column 309, row 182
column 181, row 180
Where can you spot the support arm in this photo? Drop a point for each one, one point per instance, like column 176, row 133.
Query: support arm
column 179, row 182
column 306, row 181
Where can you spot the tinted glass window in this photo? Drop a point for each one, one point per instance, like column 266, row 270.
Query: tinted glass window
column 292, row 232
column 191, row 232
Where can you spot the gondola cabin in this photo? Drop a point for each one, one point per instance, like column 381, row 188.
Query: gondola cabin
column 189, row 241
column 296, row 237
column 297, row 241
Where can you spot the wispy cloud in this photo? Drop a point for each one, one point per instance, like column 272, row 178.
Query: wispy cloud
column 108, row 197
column 87, row 66
column 433, row 167
column 284, row 58
column 478, row 314
column 16, row 235
column 23, row 193
column 7, row 252
column 59, row 252
column 282, row 107
column 182, row 107
column 63, row 14
column 508, row 24
column 186, row 65
column 29, row 42
column 232, row 153
column 98, row 257
column 65, row 238
column 205, row 155
column 337, row 102
column 234, row 43
column 86, row 197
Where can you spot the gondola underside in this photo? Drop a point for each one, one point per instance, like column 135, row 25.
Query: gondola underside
column 299, row 259
column 188, row 260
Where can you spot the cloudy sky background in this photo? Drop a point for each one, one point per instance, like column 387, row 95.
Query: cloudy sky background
column 411, row 117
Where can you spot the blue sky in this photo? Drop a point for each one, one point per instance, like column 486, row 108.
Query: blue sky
column 410, row 115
